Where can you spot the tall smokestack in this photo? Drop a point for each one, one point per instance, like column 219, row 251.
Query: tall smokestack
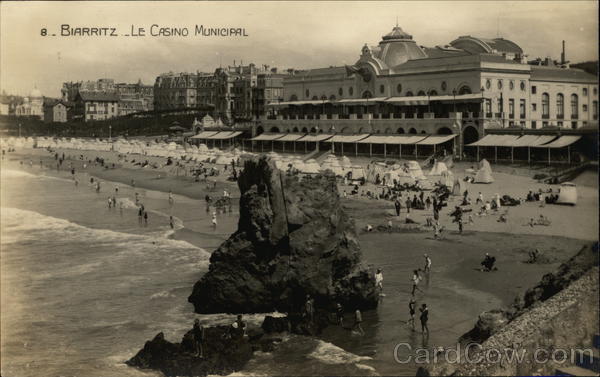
column 563, row 58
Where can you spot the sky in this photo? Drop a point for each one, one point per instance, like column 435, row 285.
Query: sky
column 298, row 34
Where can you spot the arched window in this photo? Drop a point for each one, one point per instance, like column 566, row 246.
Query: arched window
column 367, row 94
column 433, row 92
column 399, row 88
column 560, row 105
column 574, row 106
column 412, row 131
column 351, row 90
column 409, row 94
column 293, row 97
column 381, row 88
column 400, row 130
column 341, row 91
column 305, row 130
column 545, row 105
column 421, row 93
column 465, row 89
column 332, row 97
column 274, row 129
column 295, row 129
column 307, row 93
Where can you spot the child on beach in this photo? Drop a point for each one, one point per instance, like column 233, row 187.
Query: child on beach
column 357, row 322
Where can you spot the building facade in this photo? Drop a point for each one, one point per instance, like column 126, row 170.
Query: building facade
column 463, row 88
column 33, row 105
column 91, row 106
column 176, row 91
column 56, row 111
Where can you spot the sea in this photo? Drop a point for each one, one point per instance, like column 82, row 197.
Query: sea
column 84, row 286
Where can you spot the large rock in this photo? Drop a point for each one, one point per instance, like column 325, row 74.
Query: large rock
column 293, row 239
column 222, row 354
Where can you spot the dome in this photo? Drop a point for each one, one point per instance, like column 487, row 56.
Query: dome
column 397, row 47
column 35, row 93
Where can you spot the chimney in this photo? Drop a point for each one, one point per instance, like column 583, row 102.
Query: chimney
column 563, row 58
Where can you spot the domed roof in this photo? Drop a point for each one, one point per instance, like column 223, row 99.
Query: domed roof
column 35, row 93
column 397, row 47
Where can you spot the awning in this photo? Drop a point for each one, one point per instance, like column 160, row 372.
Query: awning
column 290, row 137
column 205, row 134
column 315, row 137
column 436, row 139
column 361, row 101
column 297, row 103
column 392, row 139
column 524, row 141
column 266, row 137
column 473, row 97
column 225, row 135
column 487, row 141
column 561, row 142
column 410, row 101
column 347, row 138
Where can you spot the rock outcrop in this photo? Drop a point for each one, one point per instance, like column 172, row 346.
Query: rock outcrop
column 293, row 239
column 221, row 354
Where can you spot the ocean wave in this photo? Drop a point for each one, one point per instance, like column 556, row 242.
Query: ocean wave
column 19, row 225
column 329, row 353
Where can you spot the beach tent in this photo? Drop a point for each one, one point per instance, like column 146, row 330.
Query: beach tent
column 357, row 172
column 374, row 169
column 484, row 174
column 438, row 168
column 457, row 187
column 568, row 194
column 345, row 162
column 332, row 163
column 311, row 166
column 415, row 170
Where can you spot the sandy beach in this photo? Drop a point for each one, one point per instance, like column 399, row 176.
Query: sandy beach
column 456, row 290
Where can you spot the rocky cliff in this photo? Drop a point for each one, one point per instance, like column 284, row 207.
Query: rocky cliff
column 293, row 239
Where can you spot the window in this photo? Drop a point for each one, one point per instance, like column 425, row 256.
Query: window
column 500, row 107
column 522, row 109
column 595, row 110
column 341, row 91
column 533, row 124
column 488, row 83
column 574, row 106
column 399, row 88
column 421, row 93
column 544, row 124
column 584, row 124
column 585, row 91
column 533, row 90
column 444, row 86
column 534, row 107
column 522, row 124
column 545, row 105
column 560, row 106
column 307, row 93
column 499, row 84
column 381, row 89
column 523, row 85
column 584, row 108
column 595, row 90
column 511, row 108
column 351, row 90
column 488, row 106
column 573, row 125
column 409, row 94
column 511, row 85
column 560, row 124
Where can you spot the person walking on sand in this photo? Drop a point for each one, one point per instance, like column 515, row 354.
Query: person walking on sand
column 171, row 222
column 424, row 317
column 140, row 215
column 357, row 322
column 415, row 279
column 427, row 267
column 214, row 220
column 412, row 309
column 145, row 218
column 379, row 281
column 398, row 206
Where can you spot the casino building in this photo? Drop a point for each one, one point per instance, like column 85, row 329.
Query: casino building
column 462, row 91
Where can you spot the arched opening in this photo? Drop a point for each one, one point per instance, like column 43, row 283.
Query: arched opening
column 295, row 129
column 423, row 132
column 259, row 130
column 444, row 131
column 470, row 135
column 433, row 92
column 465, row 89
column 293, row 97
column 409, row 94
column 304, row 130
column 313, row 130
column 332, row 97
column 400, row 130
column 421, row 93
column 274, row 129
column 367, row 94
column 412, row 131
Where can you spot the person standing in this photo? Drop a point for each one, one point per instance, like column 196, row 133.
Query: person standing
column 412, row 309
column 339, row 310
column 309, row 308
column 424, row 317
column 379, row 281
column 198, row 332
column 357, row 322
column 415, row 279
column 214, row 220
column 427, row 263
column 140, row 215
column 171, row 222
column 145, row 218
column 170, row 197
column 398, row 206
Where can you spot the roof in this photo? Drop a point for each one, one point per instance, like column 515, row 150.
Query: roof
column 99, row 96
column 476, row 45
column 51, row 102
column 541, row 73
